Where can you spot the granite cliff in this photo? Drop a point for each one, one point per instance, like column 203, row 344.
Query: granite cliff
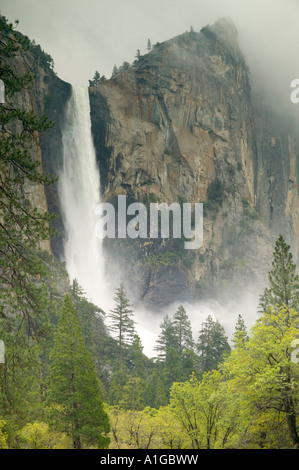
column 183, row 124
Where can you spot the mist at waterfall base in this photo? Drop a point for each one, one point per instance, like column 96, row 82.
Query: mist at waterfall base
column 79, row 193
column 246, row 304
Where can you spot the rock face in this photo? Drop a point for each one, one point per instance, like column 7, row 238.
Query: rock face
column 182, row 124
column 46, row 95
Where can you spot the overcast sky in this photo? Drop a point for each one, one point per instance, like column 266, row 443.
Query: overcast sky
column 87, row 35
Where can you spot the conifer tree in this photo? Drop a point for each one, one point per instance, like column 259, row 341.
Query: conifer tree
column 122, row 323
column 182, row 330
column 114, row 71
column 73, row 387
column 240, row 333
column 149, row 45
column 283, row 280
column 133, row 394
column 212, row 344
column 173, row 367
column 166, row 339
column 96, row 79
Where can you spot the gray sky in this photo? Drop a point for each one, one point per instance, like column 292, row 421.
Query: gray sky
column 87, row 35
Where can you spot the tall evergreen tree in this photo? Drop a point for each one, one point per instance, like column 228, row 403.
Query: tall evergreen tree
column 172, row 368
column 212, row 344
column 96, row 79
column 114, row 71
column 122, row 323
column 149, row 45
column 240, row 334
column 283, row 280
column 166, row 339
column 73, row 387
column 182, row 330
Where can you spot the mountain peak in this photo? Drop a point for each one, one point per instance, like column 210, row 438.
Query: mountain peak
column 226, row 31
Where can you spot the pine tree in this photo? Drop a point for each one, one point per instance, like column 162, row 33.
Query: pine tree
column 96, row 79
column 149, row 45
column 284, row 282
column 114, row 71
column 73, row 387
column 166, row 339
column 182, row 330
column 240, row 334
column 212, row 344
column 122, row 322
column 118, row 380
column 160, row 396
column 172, row 368
column 136, row 358
column 133, row 394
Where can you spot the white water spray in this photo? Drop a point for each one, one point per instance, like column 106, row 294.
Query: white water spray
column 79, row 193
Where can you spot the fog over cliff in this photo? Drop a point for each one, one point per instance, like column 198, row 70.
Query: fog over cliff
column 94, row 35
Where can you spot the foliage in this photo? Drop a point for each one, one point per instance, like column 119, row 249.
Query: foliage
column 22, row 226
column 216, row 191
column 122, row 322
column 206, row 410
column 263, row 371
column 212, row 344
column 3, row 436
column 283, row 280
column 37, row 435
column 72, row 384
column 240, row 334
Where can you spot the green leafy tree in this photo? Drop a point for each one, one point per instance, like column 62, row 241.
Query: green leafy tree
column 3, row 436
column 283, row 280
column 264, row 374
column 206, row 410
column 37, row 435
column 122, row 323
column 73, row 387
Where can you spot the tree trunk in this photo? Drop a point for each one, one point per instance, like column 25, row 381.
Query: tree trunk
column 291, row 421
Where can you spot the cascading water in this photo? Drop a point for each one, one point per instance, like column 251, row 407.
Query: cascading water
column 79, row 193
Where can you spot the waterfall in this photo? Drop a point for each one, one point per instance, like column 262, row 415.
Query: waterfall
column 79, row 193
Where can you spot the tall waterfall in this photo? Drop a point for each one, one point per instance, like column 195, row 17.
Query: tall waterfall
column 79, row 193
